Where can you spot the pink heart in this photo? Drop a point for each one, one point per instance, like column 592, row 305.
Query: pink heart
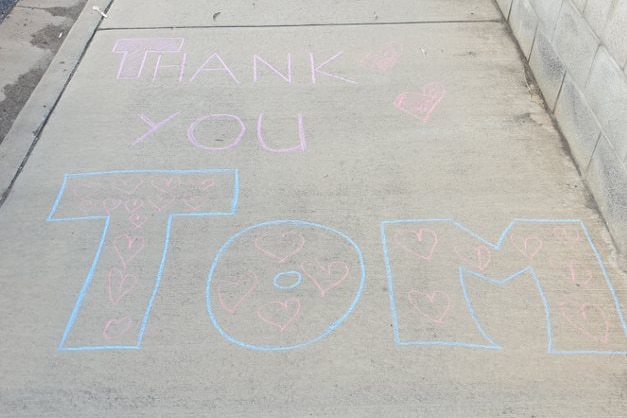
column 567, row 235
column 420, row 243
column 480, row 258
column 137, row 219
column 133, row 205
column 162, row 202
column 434, row 306
column 326, row 276
column 280, row 314
column 383, row 59
column 527, row 246
column 87, row 206
column 115, row 328
column 111, row 204
column 232, row 293
column 128, row 247
column 575, row 270
column 120, row 285
column 281, row 246
column 421, row 105
column 194, row 203
column 578, row 316
column 166, row 185
column 128, row 186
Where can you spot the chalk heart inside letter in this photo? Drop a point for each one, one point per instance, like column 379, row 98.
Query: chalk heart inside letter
column 128, row 247
column 527, row 246
column 281, row 246
column 326, row 276
column 588, row 319
column 116, row 328
column 433, row 305
column 420, row 243
column 232, row 293
column 280, row 314
column 120, row 284
column 477, row 257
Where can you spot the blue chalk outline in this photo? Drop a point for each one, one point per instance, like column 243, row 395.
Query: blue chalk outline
column 326, row 332
column 171, row 216
column 464, row 271
column 299, row 280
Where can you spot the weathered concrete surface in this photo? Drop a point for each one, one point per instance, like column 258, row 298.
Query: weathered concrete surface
column 414, row 121
column 161, row 13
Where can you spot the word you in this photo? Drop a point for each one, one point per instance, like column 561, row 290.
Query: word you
column 297, row 281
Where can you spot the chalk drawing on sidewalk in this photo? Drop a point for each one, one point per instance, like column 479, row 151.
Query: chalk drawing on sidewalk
column 421, row 105
column 115, row 300
column 431, row 302
column 383, row 59
column 306, row 281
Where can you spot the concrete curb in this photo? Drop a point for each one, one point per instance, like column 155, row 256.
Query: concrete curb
column 30, row 122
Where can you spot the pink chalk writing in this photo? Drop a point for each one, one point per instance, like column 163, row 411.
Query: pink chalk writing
column 221, row 67
column 180, row 67
column 302, row 144
column 135, row 51
column 154, row 126
column 315, row 69
column 191, row 133
column 287, row 76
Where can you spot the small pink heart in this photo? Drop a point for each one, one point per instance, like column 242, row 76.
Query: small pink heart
column 383, row 59
column 111, row 204
column 120, row 284
column 161, row 202
column 421, row 105
column 326, row 276
column 280, row 246
column 128, row 247
column 567, row 235
column 87, row 206
column 527, row 246
column 432, row 305
column 421, row 243
column 480, row 258
column 233, row 293
column 574, row 270
column 166, row 184
column 280, row 314
column 579, row 316
column 116, row 328
column 137, row 219
column 133, row 205
column 128, row 186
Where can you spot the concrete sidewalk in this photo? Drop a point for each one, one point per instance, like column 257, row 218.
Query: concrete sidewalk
column 306, row 209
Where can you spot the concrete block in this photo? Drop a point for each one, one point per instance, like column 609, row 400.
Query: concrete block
column 596, row 12
column 607, row 178
column 547, row 12
column 615, row 34
column 505, row 6
column 577, row 123
column 575, row 43
column 607, row 95
column 524, row 22
column 547, row 67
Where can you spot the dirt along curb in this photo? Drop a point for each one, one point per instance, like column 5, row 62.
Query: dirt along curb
column 55, row 48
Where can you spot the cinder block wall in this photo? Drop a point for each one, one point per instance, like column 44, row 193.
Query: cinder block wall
column 577, row 50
